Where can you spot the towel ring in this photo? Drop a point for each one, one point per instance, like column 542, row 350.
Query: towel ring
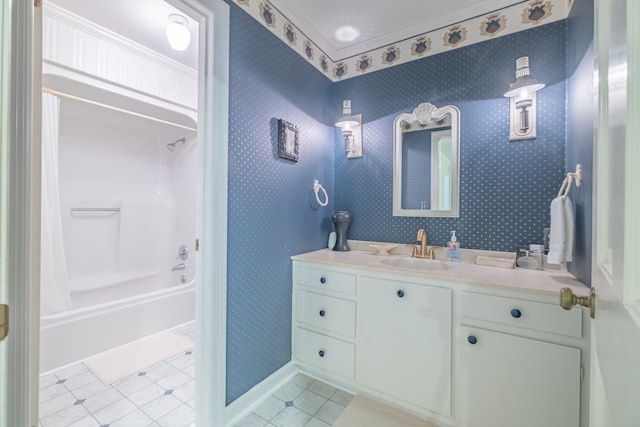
column 316, row 189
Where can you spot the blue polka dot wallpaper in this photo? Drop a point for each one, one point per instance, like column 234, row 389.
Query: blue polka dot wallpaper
column 273, row 213
column 581, row 113
column 505, row 186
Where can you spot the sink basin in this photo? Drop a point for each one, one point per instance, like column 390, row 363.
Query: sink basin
column 415, row 264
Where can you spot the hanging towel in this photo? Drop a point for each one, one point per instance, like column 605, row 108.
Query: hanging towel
column 561, row 234
column 569, row 230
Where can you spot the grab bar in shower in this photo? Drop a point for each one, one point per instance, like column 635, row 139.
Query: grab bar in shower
column 95, row 209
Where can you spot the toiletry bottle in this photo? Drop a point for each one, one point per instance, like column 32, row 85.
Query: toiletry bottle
column 537, row 252
column 453, row 248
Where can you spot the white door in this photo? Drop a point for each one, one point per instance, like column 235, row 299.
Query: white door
column 615, row 370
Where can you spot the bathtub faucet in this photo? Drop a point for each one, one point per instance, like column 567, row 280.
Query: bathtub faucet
column 180, row 266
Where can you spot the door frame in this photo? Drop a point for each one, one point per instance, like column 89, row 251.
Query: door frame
column 211, row 290
column 23, row 210
column 23, row 214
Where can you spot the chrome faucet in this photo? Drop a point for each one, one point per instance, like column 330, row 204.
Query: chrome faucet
column 180, row 266
column 423, row 251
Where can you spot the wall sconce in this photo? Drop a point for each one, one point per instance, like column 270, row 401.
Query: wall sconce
column 178, row 33
column 351, row 130
column 522, row 102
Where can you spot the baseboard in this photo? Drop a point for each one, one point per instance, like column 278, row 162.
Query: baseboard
column 243, row 405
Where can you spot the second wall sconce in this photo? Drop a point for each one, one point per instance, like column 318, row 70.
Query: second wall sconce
column 522, row 102
column 351, row 130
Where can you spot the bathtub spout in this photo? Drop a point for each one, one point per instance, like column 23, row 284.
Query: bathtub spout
column 180, row 266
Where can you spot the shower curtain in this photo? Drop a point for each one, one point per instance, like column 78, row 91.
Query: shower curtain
column 54, row 281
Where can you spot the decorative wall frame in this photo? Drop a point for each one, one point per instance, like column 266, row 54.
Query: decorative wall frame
column 288, row 140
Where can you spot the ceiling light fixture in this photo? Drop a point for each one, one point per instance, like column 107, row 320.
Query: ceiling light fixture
column 346, row 34
column 178, row 33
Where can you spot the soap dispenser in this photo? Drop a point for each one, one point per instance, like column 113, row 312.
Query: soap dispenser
column 453, row 248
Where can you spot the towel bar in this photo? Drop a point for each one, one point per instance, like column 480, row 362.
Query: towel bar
column 95, row 209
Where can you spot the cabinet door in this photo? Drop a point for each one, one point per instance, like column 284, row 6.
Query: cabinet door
column 508, row 381
column 404, row 342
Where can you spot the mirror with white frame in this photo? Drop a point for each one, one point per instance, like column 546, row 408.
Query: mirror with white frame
column 426, row 162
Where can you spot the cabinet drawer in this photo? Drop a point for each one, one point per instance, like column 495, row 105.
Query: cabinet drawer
column 328, row 313
column 522, row 313
column 325, row 279
column 325, row 352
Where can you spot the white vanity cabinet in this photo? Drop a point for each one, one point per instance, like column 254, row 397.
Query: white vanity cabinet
column 512, row 370
column 470, row 346
column 404, row 342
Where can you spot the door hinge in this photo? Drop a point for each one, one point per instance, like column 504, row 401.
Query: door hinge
column 4, row 321
column 581, row 373
column 197, row 244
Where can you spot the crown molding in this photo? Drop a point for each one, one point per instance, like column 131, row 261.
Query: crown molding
column 295, row 31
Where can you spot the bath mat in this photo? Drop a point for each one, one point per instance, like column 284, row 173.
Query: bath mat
column 363, row 412
column 126, row 360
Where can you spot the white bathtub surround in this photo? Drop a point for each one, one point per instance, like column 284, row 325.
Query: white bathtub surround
column 126, row 205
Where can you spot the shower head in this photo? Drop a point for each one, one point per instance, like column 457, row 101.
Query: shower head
column 172, row 145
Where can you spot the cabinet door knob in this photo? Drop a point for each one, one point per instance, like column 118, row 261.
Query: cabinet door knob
column 400, row 293
column 322, row 313
column 516, row 313
column 321, row 353
column 323, row 280
column 472, row 339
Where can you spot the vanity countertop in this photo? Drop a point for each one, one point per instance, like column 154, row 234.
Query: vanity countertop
column 544, row 281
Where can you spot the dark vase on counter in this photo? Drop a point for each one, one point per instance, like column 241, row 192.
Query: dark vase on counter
column 342, row 222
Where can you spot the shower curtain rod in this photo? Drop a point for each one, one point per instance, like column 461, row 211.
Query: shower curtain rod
column 110, row 107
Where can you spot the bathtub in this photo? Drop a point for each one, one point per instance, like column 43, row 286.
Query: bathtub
column 76, row 334
column 128, row 199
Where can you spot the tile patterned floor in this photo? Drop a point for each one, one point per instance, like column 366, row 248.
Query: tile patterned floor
column 302, row 402
column 161, row 396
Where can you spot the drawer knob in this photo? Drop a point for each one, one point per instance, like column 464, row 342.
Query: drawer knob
column 400, row 293
column 322, row 313
column 321, row 353
column 323, row 280
column 472, row 339
column 516, row 313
